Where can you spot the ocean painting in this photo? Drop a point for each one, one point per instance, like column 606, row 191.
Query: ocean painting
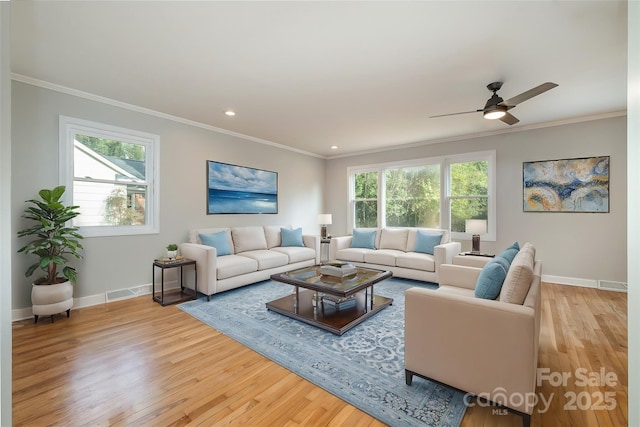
column 569, row 185
column 235, row 189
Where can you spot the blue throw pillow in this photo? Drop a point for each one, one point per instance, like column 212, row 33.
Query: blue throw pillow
column 291, row 237
column 491, row 278
column 364, row 239
column 218, row 240
column 510, row 253
column 425, row 242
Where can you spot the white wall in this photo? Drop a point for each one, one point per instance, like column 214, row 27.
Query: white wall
column 577, row 248
column 5, row 222
column 633, row 150
column 112, row 263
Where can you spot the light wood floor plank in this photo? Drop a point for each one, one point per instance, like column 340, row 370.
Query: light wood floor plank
column 134, row 362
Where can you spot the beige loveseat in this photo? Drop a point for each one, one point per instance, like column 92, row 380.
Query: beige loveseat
column 395, row 251
column 255, row 254
column 488, row 348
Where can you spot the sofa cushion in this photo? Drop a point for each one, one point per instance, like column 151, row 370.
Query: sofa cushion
column 291, row 237
column 272, row 235
column 394, row 238
column 491, row 278
column 416, row 261
column 248, row 238
column 382, row 257
column 352, row 254
column 296, row 254
column 267, row 259
column 363, row 239
column 218, row 240
column 413, row 233
column 234, row 265
column 516, row 284
column 426, row 242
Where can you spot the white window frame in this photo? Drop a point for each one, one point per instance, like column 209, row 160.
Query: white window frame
column 445, row 185
column 69, row 127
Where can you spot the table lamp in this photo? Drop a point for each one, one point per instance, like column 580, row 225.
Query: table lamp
column 324, row 220
column 476, row 227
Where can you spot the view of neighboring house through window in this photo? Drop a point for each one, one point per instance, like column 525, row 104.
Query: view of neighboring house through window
column 439, row 192
column 111, row 172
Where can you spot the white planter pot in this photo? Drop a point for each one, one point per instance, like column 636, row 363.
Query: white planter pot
column 48, row 300
column 172, row 254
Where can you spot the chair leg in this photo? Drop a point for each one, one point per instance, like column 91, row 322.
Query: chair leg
column 68, row 313
column 52, row 318
column 408, row 376
column 35, row 316
column 526, row 420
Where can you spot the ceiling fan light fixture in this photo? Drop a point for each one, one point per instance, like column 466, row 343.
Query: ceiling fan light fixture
column 496, row 112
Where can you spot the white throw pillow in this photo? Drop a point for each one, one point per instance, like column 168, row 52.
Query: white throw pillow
column 516, row 284
column 248, row 239
column 392, row 238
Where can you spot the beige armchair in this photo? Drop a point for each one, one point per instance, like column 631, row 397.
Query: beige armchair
column 487, row 348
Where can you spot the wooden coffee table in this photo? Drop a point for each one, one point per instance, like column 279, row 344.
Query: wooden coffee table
column 310, row 303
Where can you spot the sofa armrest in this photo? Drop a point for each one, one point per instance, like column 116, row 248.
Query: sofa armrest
column 312, row 242
column 471, row 260
column 337, row 243
column 443, row 254
column 206, row 265
column 459, row 276
column 476, row 345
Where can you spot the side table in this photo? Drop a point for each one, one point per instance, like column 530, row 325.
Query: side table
column 325, row 248
column 472, row 253
column 173, row 297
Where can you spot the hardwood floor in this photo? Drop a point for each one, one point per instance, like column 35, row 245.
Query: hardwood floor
column 134, row 362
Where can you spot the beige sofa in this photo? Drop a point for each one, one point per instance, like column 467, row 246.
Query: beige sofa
column 395, row 251
column 256, row 254
column 488, row 348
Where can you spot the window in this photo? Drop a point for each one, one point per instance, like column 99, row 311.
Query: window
column 439, row 192
column 111, row 174
column 365, row 199
column 412, row 196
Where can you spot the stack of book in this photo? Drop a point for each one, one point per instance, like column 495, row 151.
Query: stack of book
column 338, row 269
column 339, row 303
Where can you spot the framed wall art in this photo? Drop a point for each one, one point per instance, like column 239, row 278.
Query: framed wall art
column 568, row 185
column 233, row 189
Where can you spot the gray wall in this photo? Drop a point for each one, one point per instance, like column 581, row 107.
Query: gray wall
column 574, row 247
column 5, row 222
column 112, row 263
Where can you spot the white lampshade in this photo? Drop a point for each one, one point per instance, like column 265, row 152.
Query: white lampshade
column 475, row 226
column 324, row 219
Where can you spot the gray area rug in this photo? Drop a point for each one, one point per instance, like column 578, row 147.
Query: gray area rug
column 364, row 367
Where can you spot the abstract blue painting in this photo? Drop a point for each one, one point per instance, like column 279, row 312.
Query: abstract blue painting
column 569, row 185
column 235, row 189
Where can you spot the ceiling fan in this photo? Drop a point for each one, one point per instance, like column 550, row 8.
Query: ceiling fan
column 497, row 108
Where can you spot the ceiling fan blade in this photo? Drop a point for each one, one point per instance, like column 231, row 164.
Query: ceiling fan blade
column 512, row 102
column 455, row 114
column 509, row 119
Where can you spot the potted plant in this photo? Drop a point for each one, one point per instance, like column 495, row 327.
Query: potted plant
column 172, row 251
column 52, row 242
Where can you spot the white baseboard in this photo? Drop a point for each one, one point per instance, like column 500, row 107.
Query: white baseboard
column 605, row 285
column 570, row 281
column 88, row 301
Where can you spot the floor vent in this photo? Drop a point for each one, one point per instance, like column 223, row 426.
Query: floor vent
column 608, row 285
column 121, row 294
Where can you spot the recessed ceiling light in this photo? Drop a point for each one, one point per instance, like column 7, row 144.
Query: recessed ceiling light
column 334, row 147
column 230, row 113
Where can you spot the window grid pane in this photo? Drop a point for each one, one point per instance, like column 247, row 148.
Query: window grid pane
column 413, row 196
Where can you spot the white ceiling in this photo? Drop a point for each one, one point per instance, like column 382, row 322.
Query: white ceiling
column 308, row 75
